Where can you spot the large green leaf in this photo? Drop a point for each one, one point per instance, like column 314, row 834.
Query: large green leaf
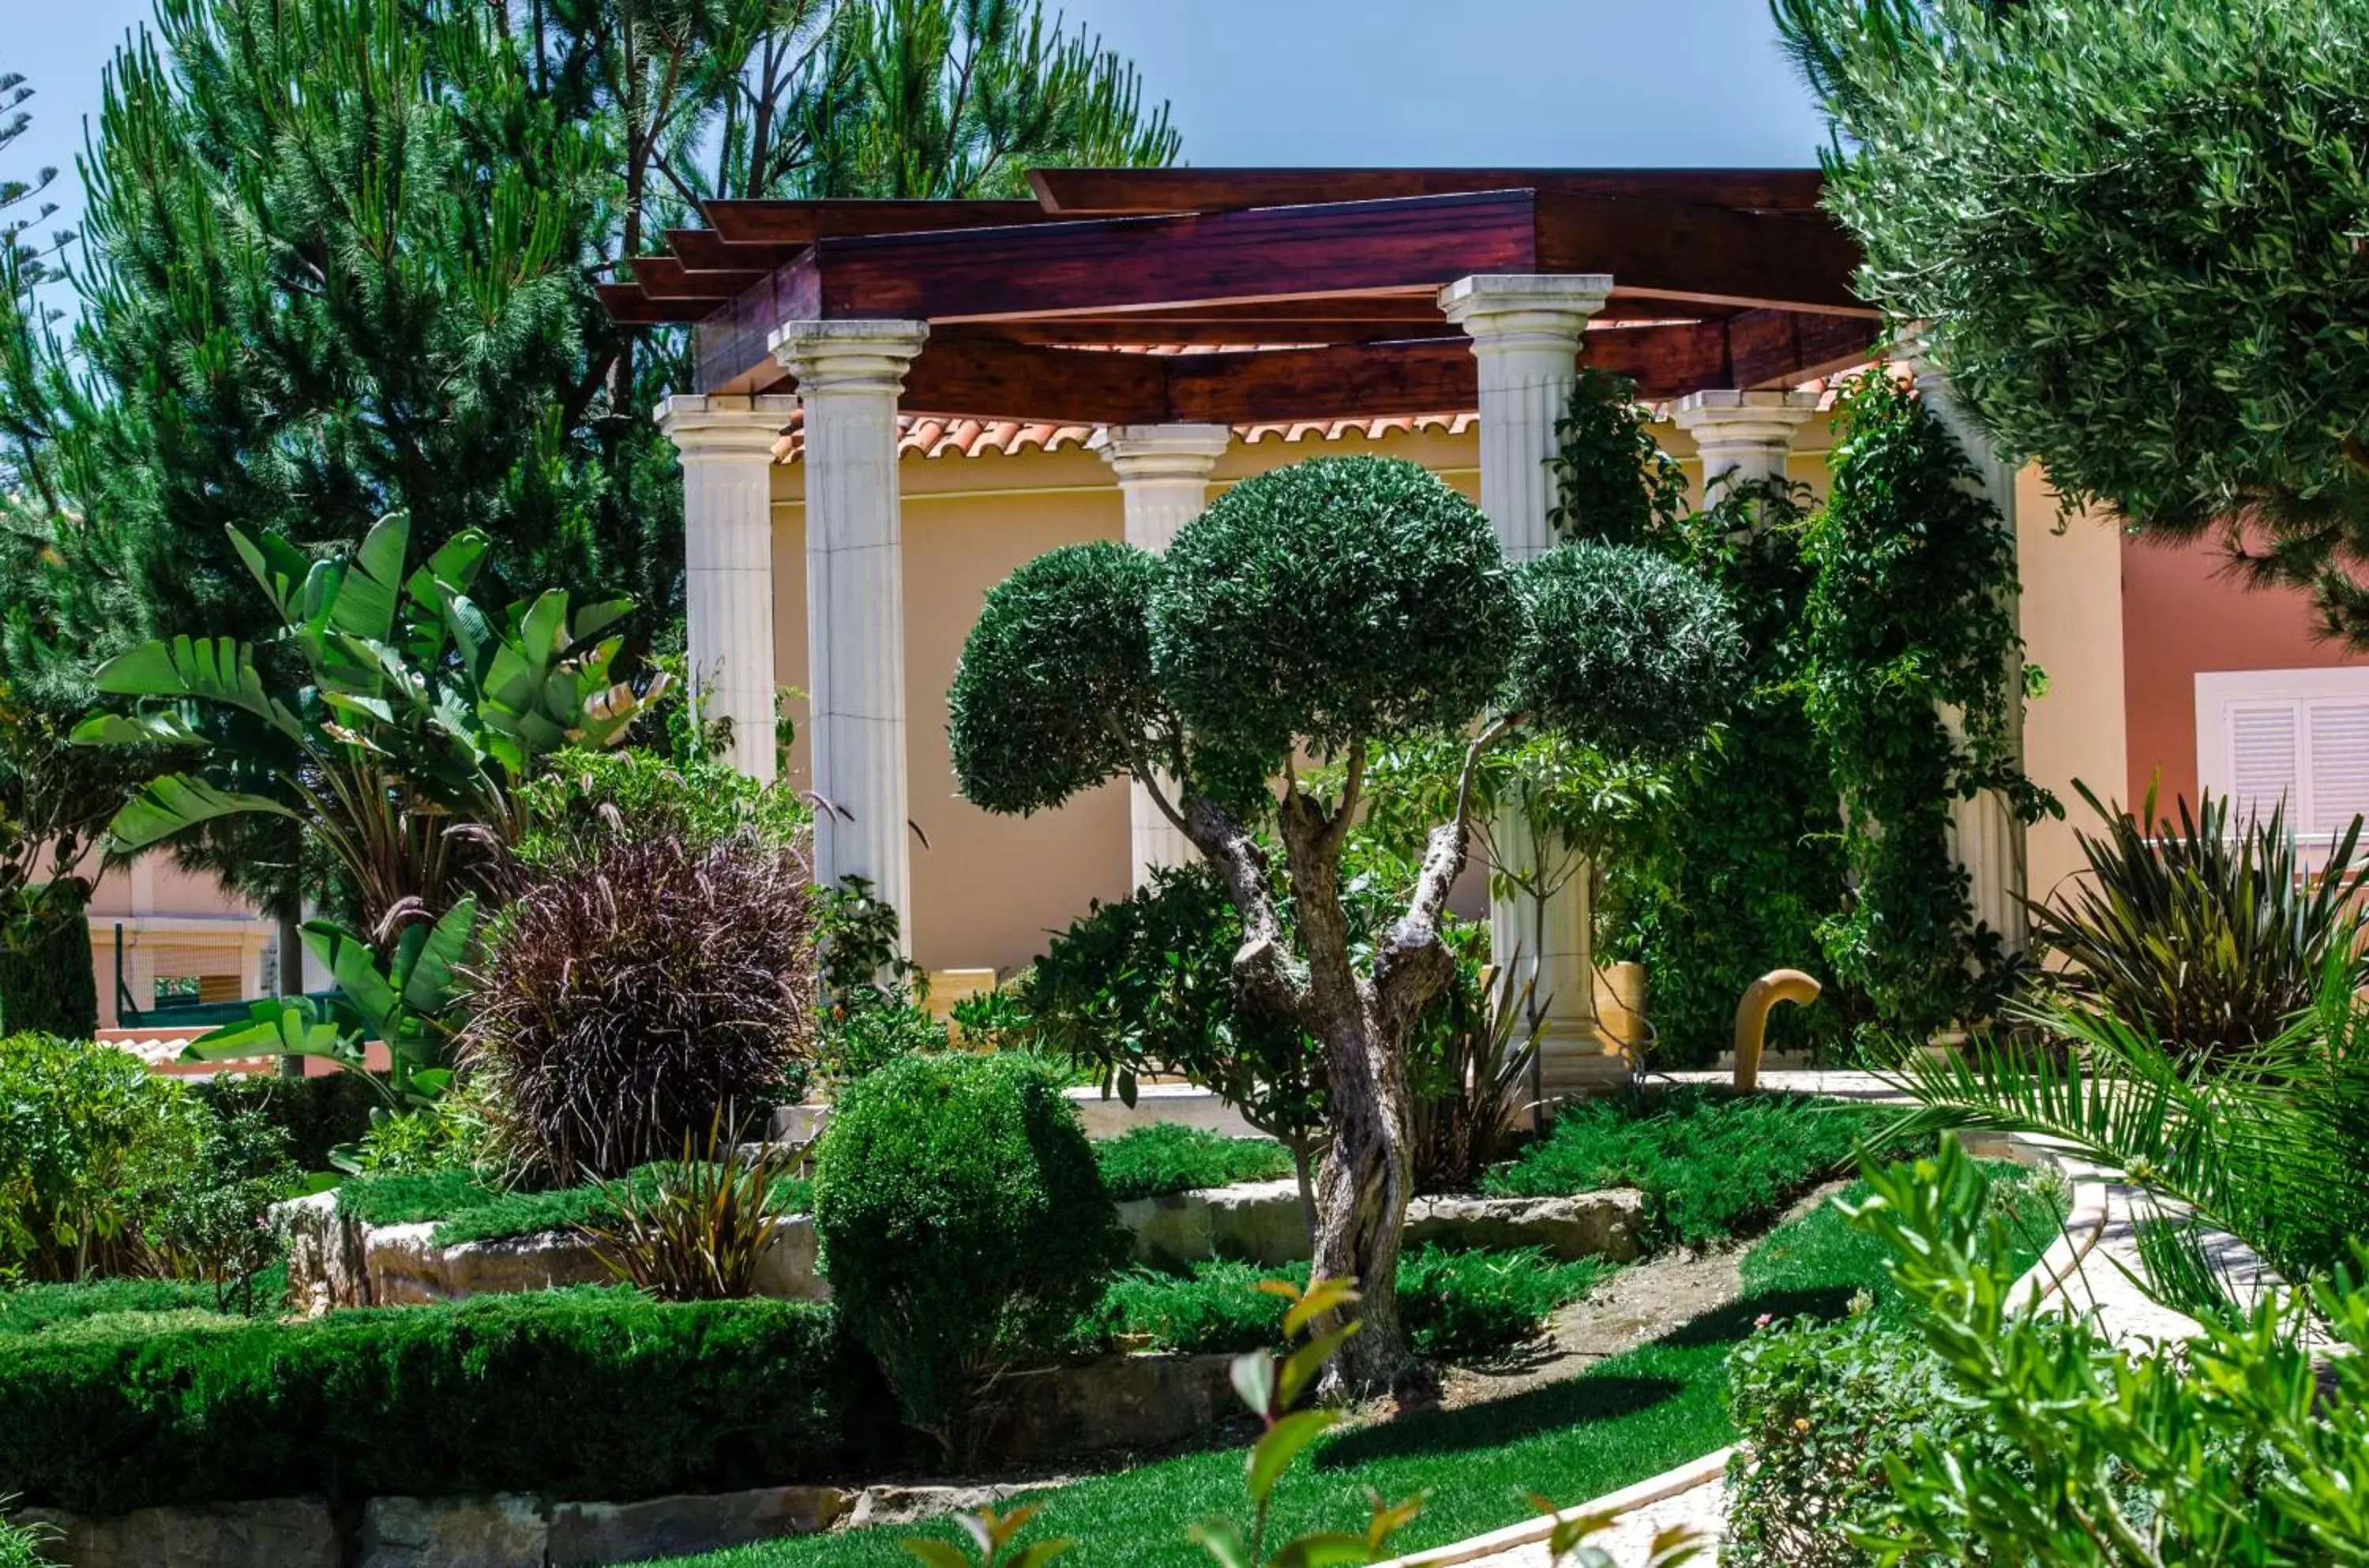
column 285, row 1027
column 210, row 669
column 177, row 803
column 279, row 566
column 365, row 603
column 355, row 967
column 135, row 729
column 430, row 973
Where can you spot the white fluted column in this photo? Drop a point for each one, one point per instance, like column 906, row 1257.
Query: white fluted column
column 1987, row 838
column 849, row 376
column 1742, row 437
column 1525, row 333
column 726, row 446
column 1164, row 478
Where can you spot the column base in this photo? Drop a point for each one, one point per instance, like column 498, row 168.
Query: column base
column 1575, row 1058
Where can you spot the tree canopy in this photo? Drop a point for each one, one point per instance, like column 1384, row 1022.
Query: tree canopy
column 2136, row 235
column 1331, row 608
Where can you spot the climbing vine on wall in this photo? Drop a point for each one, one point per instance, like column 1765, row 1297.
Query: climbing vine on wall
column 1911, row 613
column 1872, row 617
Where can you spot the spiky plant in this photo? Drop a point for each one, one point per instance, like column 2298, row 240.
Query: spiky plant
column 2211, row 937
column 622, row 1000
column 701, row 1228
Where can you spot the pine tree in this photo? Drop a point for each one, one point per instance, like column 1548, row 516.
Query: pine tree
column 340, row 261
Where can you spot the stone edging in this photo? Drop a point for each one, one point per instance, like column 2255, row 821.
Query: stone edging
column 1710, row 1469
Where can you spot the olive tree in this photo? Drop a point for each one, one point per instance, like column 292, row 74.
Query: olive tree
column 1315, row 613
column 2134, row 234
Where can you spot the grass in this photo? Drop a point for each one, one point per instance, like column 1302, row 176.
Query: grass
column 1628, row 1417
column 1458, row 1306
column 1163, row 1157
column 470, row 1211
column 1710, row 1165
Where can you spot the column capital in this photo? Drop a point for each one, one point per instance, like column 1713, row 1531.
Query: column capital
column 725, row 425
column 1725, row 417
column 1164, row 452
column 848, row 356
column 1524, row 309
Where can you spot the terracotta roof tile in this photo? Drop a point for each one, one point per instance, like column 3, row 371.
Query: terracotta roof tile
column 978, row 438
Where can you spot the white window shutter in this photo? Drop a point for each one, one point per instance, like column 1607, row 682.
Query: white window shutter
column 2337, row 782
column 2265, row 752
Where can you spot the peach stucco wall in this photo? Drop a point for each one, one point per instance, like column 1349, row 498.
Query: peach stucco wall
column 2184, row 613
column 2069, row 567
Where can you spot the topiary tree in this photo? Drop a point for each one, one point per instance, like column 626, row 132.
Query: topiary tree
column 1322, row 610
column 2134, row 232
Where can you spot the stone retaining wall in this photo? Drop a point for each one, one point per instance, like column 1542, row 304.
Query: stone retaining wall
column 333, row 1261
column 337, row 1262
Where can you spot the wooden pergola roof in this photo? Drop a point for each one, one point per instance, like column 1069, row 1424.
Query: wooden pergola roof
column 1230, row 296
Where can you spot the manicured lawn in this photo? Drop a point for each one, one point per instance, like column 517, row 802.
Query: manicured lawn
column 1627, row 1418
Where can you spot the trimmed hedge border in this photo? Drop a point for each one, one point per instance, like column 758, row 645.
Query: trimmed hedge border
column 590, row 1394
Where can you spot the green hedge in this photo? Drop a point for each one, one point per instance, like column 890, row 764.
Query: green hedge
column 1709, row 1163
column 1457, row 1306
column 1151, row 1162
column 588, row 1393
column 470, row 1211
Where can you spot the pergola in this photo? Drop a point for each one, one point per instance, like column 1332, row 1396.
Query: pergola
column 1168, row 305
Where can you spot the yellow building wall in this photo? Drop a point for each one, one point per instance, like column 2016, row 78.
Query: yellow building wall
column 2070, row 569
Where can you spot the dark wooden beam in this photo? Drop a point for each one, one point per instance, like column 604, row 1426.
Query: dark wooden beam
column 1678, row 251
column 1775, row 348
column 983, row 379
column 664, row 277
column 732, row 347
column 1372, row 381
column 1121, row 331
column 627, row 304
column 1112, row 190
column 802, row 222
column 704, row 250
column 1133, row 264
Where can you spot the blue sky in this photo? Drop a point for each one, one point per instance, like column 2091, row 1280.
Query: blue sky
column 1325, row 82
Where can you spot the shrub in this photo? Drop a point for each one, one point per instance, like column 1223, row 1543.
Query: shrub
column 585, row 1394
column 1460, row 1306
column 216, row 1225
column 2215, row 939
column 1145, row 984
column 1822, row 1408
column 47, row 983
column 90, row 1141
column 964, row 1227
column 624, row 1002
column 2245, row 1444
column 585, row 800
column 417, row 1142
column 1710, row 1165
column 46, row 1309
column 467, row 1210
column 1468, row 1072
column 318, row 1114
